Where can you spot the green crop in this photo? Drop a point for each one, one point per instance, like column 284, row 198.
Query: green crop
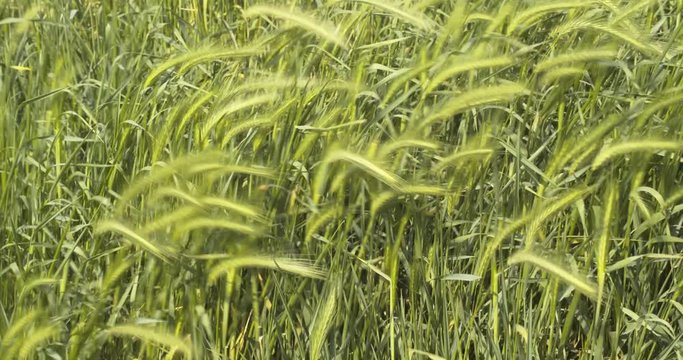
column 349, row 179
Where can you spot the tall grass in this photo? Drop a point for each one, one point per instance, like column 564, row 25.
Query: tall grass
column 361, row 179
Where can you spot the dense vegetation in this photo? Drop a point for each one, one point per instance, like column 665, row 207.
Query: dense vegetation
column 352, row 179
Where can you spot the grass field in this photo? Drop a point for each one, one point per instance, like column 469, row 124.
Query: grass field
column 352, row 179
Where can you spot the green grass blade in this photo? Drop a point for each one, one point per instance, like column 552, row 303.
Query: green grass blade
column 217, row 223
column 159, row 250
column 294, row 266
column 322, row 323
column 578, row 281
column 198, row 56
column 370, row 167
column 36, row 337
column 322, row 29
column 581, row 56
column 460, row 65
column 153, row 335
column 636, row 146
column 461, row 156
column 404, row 15
column 473, row 98
column 551, row 207
column 17, row 325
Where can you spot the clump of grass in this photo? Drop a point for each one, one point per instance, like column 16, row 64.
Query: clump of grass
column 346, row 179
